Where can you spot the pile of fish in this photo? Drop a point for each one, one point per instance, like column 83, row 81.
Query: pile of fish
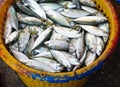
column 58, row 36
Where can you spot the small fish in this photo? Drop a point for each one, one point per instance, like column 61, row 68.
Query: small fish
column 57, row 45
column 23, row 39
column 94, row 30
column 7, row 28
column 74, row 13
column 20, row 56
column 72, row 45
column 100, row 46
column 73, row 60
column 90, row 57
column 80, row 45
column 57, row 36
column 90, row 20
column 89, row 9
column 57, row 18
column 29, row 45
column 34, row 6
column 30, row 20
column 40, row 66
column 13, row 17
column 105, row 27
column 52, row 63
column 26, row 10
column 91, row 42
column 70, row 33
column 81, row 60
column 44, row 35
column 88, row 3
column 13, row 36
column 50, row 6
column 61, row 58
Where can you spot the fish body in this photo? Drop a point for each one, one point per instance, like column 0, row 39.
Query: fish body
column 80, row 46
column 57, row 18
column 61, row 58
column 72, row 45
column 74, row 13
column 91, row 42
column 13, row 36
column 105, row 27
column 50, row 6
column 70, row 33
column 44, row 35
column 90, row 57
column 52, row 63
column 23, row 40
column 94, row 30
column 57, row 36
column 100, row 46
column 13, row 17
column 90, row 20
column 34, row 6
column 57, row 44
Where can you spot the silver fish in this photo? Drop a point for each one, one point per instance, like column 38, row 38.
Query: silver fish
column 74, row 13
column 72, row 45
column 61, row 58
column 23, row 39
column 13, row 17
column 88, row 3
column 58, row 18
column 30, row 20
column 40, row 66
column 34, row 6
column 73, row 60
column 100, row 45
column 7, row 28
column 44, row 35
column 80, row 45
column 50, row 6
column 89, row 9
column 68, row 4
column 57, row 36
column 57, row 44
column 28, row 48
column 52, row 63
column 91, row 42
column 105, row 27
column 20, row 56
column 94, row 30
column 26, row 10
column 13, row 36
column 90, row 57
column 81, row 60
column 70, row 33
column 90, row 20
